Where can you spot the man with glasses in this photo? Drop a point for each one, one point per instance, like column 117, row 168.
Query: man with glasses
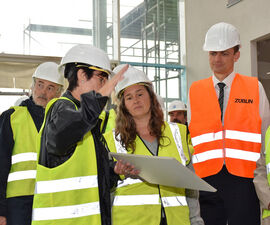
column 19, row 127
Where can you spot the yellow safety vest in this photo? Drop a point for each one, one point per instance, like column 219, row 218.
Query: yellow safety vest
column 68, row 194
column 21, row 178
column 266, row 213
column 139, row 203
column 109, row 121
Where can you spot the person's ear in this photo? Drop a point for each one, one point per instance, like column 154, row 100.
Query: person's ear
column 236, row 56
column 81, row 76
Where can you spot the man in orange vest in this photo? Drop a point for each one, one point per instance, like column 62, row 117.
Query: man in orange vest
column 227, row 113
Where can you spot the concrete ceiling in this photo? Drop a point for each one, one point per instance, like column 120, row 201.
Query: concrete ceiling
column 16, row 70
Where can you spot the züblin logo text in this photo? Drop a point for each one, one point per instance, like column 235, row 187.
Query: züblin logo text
column 243, row 100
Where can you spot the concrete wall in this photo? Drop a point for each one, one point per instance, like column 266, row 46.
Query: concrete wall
column 251, row 17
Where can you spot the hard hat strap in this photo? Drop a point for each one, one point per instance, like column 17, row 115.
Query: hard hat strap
column 95, row 68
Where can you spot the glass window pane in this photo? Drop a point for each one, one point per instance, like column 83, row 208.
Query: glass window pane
column 149, row 34
column 44, row 27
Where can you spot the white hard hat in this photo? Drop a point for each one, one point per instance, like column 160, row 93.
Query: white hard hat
column 87, row 54
column 177, row 105
column 131, row 76
column 221, row 37
column 49, row 71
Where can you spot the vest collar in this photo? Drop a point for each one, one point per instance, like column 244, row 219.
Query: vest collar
column 228, row 80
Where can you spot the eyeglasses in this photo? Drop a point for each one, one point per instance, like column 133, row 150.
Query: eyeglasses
column 95, row 68
column 101, row 78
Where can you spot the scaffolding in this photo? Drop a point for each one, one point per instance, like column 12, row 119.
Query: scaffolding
column 154, row 24
column 150, row 40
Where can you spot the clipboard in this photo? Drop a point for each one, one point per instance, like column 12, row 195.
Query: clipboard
column 165, row 171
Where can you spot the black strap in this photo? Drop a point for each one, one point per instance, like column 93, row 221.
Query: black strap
column 105, row 122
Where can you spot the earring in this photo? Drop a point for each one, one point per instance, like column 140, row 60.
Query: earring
column 82, row 81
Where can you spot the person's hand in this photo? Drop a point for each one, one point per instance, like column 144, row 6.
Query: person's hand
column 125, row 169
column 109, row 86
column 3, row 220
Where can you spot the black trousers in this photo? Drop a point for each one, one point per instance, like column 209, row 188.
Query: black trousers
column 234, row 203
column 19, row 210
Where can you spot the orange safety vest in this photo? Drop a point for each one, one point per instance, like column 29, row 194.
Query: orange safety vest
column 238, row 141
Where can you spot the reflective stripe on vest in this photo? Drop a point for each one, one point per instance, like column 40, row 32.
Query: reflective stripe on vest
column 22, row 175
column 22, row 157
column 212, row 154
column 128, row 200
column 240, row 154
column 230, row 153
column 230, row 134
column 119, row 147
column 128, row 181
column 177, row 139
column 66, row 184
column 237, row 143
column 173, row 201
column 125, row 200
column 243, row 136
column 203, row 138
column 65, row 212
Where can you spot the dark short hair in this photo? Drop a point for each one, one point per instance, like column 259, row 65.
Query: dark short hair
column 70, row 73
column 236, row 48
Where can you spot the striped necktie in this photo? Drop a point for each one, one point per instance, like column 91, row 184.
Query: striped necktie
column 221, row 96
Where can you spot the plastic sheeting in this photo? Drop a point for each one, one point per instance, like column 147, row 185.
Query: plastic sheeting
column 16, row 70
